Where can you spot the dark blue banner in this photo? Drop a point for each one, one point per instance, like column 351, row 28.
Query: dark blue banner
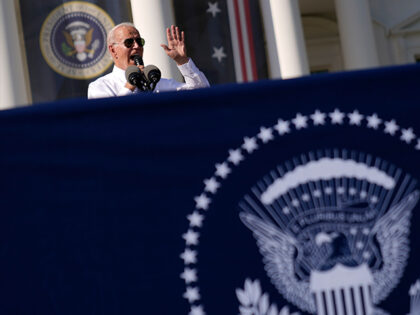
column 65, row 44
column 278, row 197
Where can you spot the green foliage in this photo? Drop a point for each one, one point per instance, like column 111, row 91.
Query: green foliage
column 66, row 49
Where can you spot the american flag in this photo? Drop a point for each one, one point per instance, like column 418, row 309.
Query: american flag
column 225, row 38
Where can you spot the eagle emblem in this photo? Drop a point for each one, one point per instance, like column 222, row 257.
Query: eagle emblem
column 333, row 231
column 78, row 37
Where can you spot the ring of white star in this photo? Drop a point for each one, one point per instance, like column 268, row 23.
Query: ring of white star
column 252, row 144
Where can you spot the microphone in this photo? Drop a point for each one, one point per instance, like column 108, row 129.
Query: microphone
column 133, row 76
column 137, row 60
column 152, row 73
column 146, row 80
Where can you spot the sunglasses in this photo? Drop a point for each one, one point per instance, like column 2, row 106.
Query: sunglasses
column 129, row 42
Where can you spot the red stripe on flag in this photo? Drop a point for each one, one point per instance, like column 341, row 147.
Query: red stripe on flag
column 240, row 40
column 251, row 40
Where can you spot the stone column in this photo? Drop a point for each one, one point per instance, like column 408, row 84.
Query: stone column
column 289, row 38
column 356, row 34
column 270, row 37
column 14, row 88
column 152, row 17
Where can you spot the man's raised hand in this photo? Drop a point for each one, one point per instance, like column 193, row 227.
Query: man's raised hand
column 176, row 45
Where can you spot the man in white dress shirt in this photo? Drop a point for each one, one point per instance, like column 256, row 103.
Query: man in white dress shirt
column 124, row 42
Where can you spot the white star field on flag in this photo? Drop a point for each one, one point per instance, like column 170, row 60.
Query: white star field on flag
column 213, row 8
column 219, row 53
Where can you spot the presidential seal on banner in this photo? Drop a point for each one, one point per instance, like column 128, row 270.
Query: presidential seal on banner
column 331, row 225
column 73, row 40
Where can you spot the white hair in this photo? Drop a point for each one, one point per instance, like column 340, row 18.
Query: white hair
column 111, row 35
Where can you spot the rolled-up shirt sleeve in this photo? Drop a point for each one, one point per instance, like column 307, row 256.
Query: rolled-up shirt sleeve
column 194, row 78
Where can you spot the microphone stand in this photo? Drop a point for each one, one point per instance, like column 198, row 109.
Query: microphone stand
column 144, row 84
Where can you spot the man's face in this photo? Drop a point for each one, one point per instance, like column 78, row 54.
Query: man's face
column 121, row 54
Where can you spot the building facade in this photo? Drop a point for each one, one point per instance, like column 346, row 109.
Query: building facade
column 230, row 40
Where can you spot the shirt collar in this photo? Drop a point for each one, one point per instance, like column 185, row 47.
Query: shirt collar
column 119, row 73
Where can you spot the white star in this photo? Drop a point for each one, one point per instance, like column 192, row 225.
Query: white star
column 235, row 156
column 295, row 203
column 318, row 118
column 328, row 190
column 374, row 199
column 191, row 237
column 192, row 294
column 266, row 134
column 211, row 185
column 189, row 275
column 353, row 231
column 337, row 117
column 197, row 310
column 340, row 190
column 305, row 197
column 189, row 256
column 300, row 121
column 213, row 8
column 391, row 127
column 286, row 210
column 407, row 135
column 363, row 194
column 366, row 255
column 317, row 193
column 218, row 53
column 195, row 219
column 359, row 245
column 282, row 127
column 250, row 144
column 355, row 118
column 366, row 231
column 418, row 144
column 373, row 121
column 222, row 170
column 352, row 191
column 202, row 202
column 414, row 289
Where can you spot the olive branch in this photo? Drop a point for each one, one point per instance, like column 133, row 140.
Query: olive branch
column 254, row 302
